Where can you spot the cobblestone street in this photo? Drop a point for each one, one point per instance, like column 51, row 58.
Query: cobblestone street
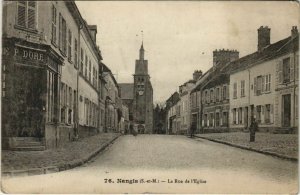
column 282, row 144
column 225, row 169
column 72, row 152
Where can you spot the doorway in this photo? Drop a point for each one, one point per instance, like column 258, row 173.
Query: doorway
column 286, row 108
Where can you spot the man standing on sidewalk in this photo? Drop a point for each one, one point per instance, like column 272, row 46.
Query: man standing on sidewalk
column 253, row 129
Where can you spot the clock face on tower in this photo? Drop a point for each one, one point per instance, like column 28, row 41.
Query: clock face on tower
column 141, row 92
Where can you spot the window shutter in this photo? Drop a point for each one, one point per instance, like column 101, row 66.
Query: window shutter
column 271, row 113
column 255, row 86
column 227, row 92
column 60, row 32
column 208, row 96
column 280, row 72
column 31, row 14
column 292, row 58
column 263, row 83
column 64, row 35
column 21, row 13
column 297, row 67
column 221, row 93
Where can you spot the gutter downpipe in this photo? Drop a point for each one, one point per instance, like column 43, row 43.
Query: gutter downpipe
column 78, row 70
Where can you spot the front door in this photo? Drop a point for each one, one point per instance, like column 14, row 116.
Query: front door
column 286, row 105
column 27, row 102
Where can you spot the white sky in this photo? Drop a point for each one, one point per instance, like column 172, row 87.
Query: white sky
column 179, row 37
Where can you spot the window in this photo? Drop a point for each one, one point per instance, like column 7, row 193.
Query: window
column 211, row 119
column 217, row 94
column 286, row 70
column 51, row 96
column 217, row 119
column 235, row 90
column 3, row 80
column 63, row 103
column 81, row 60
column 74, row 105
column 54, row 17
column 258, row 114
column 206, row 96
column 90, row 67
column 296, row 106
column 205, row 120
column 240, row 115
column 86, row 66
column 211, row 95
column 259, row 85
column 267, row 113
column 70, row 46
column 234, row 116
column 94, row 72
column 75, row 53
column 243, row 88
column 267, row 83
column 62, row 34
column 224, row 92
column 70, row 104
column 26, row 14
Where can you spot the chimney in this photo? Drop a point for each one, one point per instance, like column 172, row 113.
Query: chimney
column 93, row 31
column 263, row 37
column 197, row 74
column 222, row 56
column 294, row 31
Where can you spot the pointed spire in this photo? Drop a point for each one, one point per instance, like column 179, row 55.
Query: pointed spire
column 142, row 52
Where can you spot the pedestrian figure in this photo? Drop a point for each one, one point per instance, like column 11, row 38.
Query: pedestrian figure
column 253, row 129
column 132, row 131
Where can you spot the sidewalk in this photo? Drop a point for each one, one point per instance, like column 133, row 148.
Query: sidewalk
column 41, row 162
column 279, row 145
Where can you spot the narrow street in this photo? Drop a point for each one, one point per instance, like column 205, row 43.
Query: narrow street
column 216, row 168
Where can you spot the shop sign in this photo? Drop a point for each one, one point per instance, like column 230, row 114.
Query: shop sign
column 29, row 55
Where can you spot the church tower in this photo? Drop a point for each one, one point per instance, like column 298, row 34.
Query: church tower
column 143, row 95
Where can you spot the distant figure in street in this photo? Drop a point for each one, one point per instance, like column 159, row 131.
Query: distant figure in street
column 193, row 129
column 253, row 129
column 132, row 131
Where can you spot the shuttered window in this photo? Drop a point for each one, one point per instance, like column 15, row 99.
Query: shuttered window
column 81, row 61
column 64, row 36
column 286, row 70
column 54, row 18
column 26, row 14
column 75, row 53
column 90, row 67
column 86, row 65
column 70, row 46
column 235, row 90
column 243, row 88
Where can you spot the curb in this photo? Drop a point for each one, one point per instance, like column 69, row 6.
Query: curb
column 251, row 149
column 61, row 167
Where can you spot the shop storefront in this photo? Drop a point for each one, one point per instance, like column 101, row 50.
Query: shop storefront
column 30, row 98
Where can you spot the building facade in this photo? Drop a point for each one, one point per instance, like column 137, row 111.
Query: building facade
column 46, row 94
column 112, row 101
column 264, row 84
column 185, row 106
column 139, row 96
column 173, row 114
